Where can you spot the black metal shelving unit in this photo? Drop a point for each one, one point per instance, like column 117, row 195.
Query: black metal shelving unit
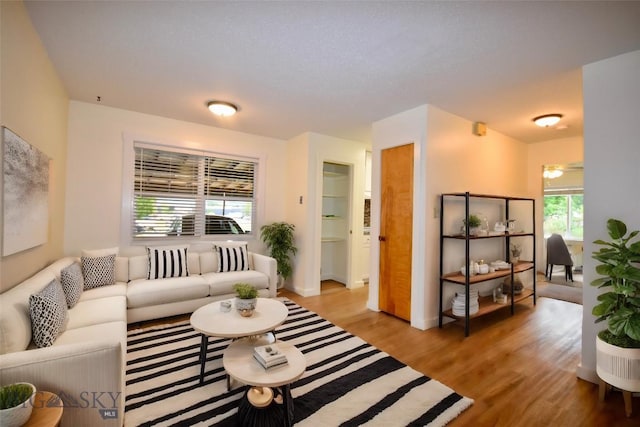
column 486, row 303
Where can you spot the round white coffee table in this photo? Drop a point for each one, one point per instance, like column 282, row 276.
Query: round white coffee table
column 211, row 321
column 239, row 363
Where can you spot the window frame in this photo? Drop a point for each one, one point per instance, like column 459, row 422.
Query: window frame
column 564, row 193
column 130, row 141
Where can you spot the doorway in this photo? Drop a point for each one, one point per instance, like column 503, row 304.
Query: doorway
column 396, row 230
column 336, row 219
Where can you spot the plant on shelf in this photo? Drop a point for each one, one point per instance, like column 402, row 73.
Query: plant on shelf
column 474, row 223
column 280, row 241
column 516, row 250
column 246, row 298
column 619, row 306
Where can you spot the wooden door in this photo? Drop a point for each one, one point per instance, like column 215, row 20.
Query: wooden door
column 396, row 227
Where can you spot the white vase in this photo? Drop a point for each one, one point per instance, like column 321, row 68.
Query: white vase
column 18, row 415
column 246, row 306
column 617, row 366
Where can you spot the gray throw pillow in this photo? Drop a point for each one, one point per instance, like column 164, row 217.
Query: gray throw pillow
column 98, row 271
column 48, row 311
column 72, row 283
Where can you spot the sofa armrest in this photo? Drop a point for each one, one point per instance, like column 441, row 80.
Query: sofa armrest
column 88, row 377
column 268, row 266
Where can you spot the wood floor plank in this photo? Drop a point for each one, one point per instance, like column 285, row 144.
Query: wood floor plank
column 520, row 370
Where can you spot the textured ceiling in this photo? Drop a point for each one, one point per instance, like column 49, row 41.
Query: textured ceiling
column 336, row 67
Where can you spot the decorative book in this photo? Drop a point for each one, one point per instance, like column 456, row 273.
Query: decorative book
column 269, row 356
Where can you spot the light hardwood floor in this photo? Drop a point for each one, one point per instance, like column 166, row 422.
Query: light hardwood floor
column 520, row 369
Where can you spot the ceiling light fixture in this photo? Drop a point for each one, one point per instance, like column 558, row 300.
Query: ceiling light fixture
column 222, row 109
column 552, row 173
column 547, row 120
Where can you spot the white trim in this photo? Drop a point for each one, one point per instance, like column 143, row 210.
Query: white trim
column 130, row 140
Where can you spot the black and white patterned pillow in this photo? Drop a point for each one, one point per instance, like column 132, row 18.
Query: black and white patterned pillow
column 98, row 271
column 167, row 262
column 232, row 258
column 72, row 283
column 48, row 311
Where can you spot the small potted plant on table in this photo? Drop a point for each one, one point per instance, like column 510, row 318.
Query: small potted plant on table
column 246, row 298
column 16, row 403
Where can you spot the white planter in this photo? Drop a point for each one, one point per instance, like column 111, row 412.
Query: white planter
column 617, row 366
column 246, row 306
column 18, row 415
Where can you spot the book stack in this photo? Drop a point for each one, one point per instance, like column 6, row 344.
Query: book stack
column 459, row 303
column 269, row 356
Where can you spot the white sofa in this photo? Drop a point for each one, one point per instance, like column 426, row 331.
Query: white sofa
column 85, row 365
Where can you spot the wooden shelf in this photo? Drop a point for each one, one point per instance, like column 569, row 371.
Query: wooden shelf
column 490, row 236
column 478, row 278
column 487, row 305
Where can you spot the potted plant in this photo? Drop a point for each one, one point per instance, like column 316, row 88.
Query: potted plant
column 281, row 244
column 474, row 223
column 16, row 404
column 618, row 346
column 246, row 298
column 516, row 250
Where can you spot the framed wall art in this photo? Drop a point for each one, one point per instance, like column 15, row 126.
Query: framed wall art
column 25, row 194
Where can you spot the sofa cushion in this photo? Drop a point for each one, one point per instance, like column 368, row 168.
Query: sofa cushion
column 48, row 311
column 143, row 292
column 119, row 289
column 97, row 311
column 167, row 261
column 232, row 258
column 72, row 283
column 98, row 271
column 105, row 332
column 222, row 283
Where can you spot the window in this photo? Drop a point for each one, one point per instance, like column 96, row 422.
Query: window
column 563, row 214
column 182, row 193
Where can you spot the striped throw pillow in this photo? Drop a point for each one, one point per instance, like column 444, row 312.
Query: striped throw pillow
column 167, row 262
column 232, row 258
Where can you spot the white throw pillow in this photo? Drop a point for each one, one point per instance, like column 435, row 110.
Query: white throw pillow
column 167, row 261
column 232, row 258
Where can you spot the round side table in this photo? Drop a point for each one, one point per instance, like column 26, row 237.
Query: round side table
column 47, row 410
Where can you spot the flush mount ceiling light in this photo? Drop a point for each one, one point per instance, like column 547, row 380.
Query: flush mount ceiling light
column 223, row 109
column 547, row 120
column 552, row 172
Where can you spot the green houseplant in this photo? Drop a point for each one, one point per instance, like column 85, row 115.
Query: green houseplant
column 280, row 241
column 246, row 298
column 618, row 346
column 619, row 306
column 15, row 408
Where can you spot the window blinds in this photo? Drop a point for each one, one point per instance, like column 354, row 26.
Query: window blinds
column 171, row 189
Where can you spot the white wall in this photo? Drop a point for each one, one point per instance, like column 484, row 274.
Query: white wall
column 305, row 174
column 447, row 158
column 555, row 151
column 95, row 168
column 611, row 173
column 34, row 106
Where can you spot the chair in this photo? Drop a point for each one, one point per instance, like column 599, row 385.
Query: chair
column 558, row 254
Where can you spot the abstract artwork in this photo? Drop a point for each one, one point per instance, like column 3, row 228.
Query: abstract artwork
column 26, row 194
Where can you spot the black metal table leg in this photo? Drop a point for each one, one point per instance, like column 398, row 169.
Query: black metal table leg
column 287, row 405
column 204, row 342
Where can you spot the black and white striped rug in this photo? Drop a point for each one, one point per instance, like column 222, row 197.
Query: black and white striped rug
column 347, row 382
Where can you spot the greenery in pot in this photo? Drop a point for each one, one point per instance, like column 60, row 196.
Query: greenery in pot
column 14, row 395
column 620, row 306
column 281, row 243
column 245, row 291
column 474, row 221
